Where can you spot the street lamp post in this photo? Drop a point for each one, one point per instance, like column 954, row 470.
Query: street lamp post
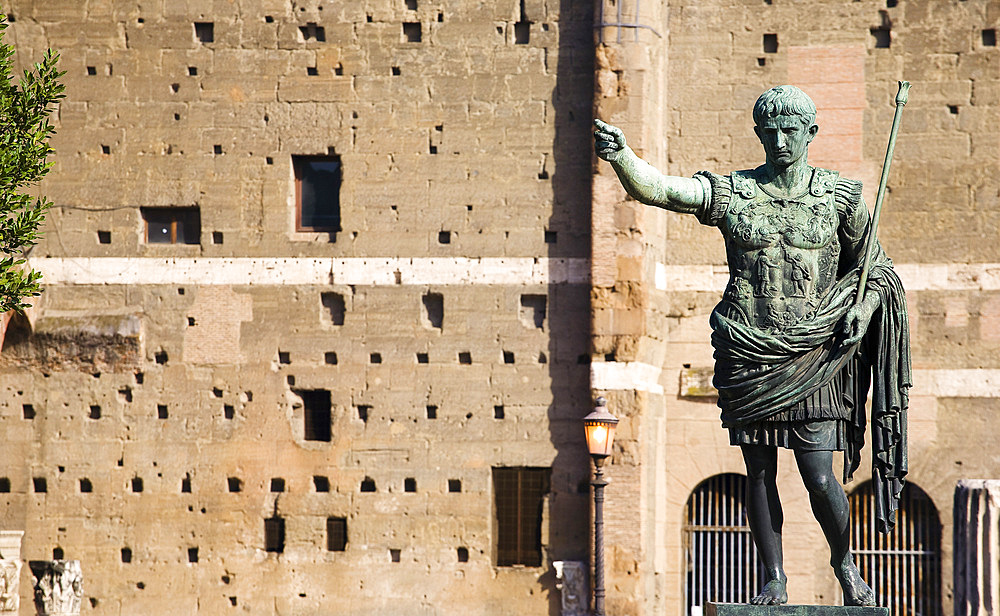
column 600, row 430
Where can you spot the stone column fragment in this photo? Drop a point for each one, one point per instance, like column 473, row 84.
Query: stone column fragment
column 58, row 587
column 10, row 571
column 977, row 547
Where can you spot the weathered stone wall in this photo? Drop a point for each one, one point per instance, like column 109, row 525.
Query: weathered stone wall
column 462, row 177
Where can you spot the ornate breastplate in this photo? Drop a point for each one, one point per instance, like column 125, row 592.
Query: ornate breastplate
column 783, row 251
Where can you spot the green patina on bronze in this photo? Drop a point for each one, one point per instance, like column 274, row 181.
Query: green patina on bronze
column 797, row 343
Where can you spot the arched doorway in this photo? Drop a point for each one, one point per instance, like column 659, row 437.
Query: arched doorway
column 722, row 563
column 903, row 567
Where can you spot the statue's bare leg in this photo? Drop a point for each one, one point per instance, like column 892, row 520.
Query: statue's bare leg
column 765, row 517
column 833, row 512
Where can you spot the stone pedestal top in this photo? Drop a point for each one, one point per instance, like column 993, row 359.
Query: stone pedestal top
column 745, row 609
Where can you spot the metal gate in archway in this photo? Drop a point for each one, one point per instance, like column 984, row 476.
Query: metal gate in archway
column 722, row 562
column 903, row 567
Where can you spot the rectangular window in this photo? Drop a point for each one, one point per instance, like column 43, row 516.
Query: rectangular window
column 317, row 192
column 274, row 534
column 336, row 534
column 316, row 414
column 172, row 225
column 519, row 497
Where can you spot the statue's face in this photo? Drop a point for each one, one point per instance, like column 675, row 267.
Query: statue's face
column 785, row 139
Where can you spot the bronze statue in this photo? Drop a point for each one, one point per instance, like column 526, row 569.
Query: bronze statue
column 795, row 350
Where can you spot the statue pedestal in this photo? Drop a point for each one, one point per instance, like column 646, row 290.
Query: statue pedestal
column 745, row 609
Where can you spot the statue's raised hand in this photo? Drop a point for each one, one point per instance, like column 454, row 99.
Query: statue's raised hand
column 609, row 141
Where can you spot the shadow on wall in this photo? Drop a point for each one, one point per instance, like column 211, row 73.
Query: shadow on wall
column 568, row 305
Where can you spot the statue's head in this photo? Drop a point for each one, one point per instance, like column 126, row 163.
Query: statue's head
column 785, row 119
column 785, row 101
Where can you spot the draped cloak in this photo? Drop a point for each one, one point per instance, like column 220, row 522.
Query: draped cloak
column 758, row 373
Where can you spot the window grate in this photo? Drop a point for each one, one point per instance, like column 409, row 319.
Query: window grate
column 722, row 562
column 520, row 496
column 904, row 566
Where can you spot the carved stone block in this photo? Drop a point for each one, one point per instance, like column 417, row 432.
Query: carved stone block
column 58, row 587
column 572, row 576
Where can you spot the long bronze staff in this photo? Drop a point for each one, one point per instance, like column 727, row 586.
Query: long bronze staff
column 901, row 98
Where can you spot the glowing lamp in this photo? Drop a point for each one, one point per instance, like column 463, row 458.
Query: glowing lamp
column 600, row 430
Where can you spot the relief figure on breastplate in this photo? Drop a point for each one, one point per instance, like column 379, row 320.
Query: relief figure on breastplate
column 768, row 275
column 798, row 273
column 791, row 335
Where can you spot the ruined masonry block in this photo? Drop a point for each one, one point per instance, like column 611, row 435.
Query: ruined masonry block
column 977, row 547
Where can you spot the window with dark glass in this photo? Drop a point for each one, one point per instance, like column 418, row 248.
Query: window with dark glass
column 520, row 496
column 172, row 225
column 317, row 192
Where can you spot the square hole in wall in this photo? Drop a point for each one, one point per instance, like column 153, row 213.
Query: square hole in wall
column 228, row 411
column 330, row 358
column 321, row 483
column 28, row 411
column 412, row 32
column 161, row 411
column 277, row 484
column 770, row 43
column 498, row 411
column 40, row 485
column 86, row 486
column 126, row 555
column 204, row 31
column 508, row 357
column 465, row 357
column 312, row 32
column 368, row 485
column 91, row 70
column 95, row 411
column 423, row 358
column 394, row 554
column 284, row 357
column 192, row 555
column 454, row 485
column 186, row 483
column 409, row 484
column 193, row 71
column 216, row 237
column 335, row 306
column 444, row 237
column 463, row 555
column 363, row 412
column 136, row 484
column 234, row 484
column 432, row 411
column 989, row 37
column 4, row 485
column 375, row 358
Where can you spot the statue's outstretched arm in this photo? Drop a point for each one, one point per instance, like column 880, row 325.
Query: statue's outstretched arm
column 641, row 180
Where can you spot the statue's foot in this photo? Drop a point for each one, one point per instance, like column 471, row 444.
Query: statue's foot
column 773, row 593
column 856, row 591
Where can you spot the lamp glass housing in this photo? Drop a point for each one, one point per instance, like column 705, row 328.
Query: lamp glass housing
column 600, row 437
